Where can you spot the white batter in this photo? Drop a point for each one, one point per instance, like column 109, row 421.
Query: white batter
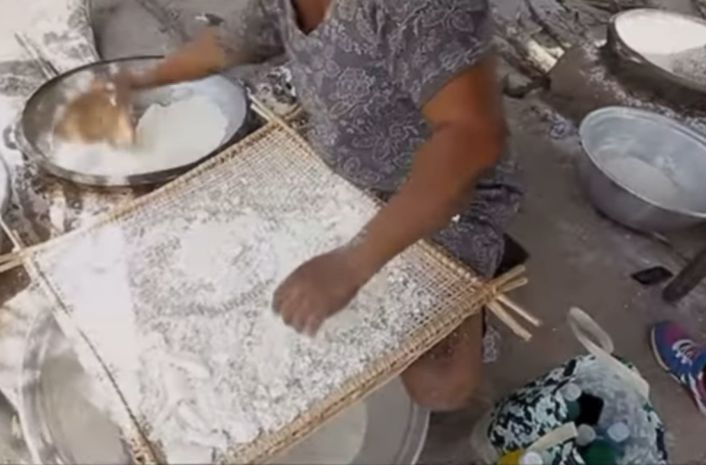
column 166, row 137
column 647, row 180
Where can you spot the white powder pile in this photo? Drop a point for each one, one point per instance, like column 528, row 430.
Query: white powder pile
column 165, row 137
column 656, row 35
column 676, row 44
column 204, row 359
column 646, row 180
column 691, row 64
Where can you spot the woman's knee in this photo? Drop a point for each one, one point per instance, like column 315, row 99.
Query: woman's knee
column 441, row 392
column 447, row 377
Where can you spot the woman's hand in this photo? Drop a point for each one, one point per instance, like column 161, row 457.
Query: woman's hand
column 320, row 288
column 202, row 57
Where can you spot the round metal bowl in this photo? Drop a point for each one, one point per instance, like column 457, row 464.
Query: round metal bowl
column 5, row 192
column 59, row 422
column 62, row 426
column 659, row 150
column 35, row 128
column 669, row 45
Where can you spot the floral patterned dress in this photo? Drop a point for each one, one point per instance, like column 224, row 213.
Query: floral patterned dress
column 364, row 74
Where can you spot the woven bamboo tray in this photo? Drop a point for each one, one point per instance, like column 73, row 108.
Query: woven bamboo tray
column 453, row 293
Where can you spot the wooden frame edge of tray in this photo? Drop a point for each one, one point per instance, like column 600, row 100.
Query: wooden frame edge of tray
column 466, row 303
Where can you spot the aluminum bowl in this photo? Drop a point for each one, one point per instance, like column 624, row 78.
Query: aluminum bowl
column 673, row 48
column 35, row 128
column 649, row 150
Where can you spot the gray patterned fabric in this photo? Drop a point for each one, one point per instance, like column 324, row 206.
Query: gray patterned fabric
column 538, row 408
column 363, row 75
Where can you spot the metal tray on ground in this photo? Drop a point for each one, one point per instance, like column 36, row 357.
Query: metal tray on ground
column 35, row 128
column 673, row 49
column 60, row 423
column 62, row 426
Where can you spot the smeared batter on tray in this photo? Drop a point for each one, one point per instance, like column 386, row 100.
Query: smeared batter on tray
column 166, row 137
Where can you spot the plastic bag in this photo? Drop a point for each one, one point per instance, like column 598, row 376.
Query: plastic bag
column 538, row 417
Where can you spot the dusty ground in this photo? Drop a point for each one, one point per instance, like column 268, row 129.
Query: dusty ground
column 578, row 258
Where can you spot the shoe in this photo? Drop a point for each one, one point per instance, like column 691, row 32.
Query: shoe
column 682, row 358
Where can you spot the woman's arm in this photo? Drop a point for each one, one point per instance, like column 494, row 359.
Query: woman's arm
column 467, row 139
column 203, row 56
column 252, row 37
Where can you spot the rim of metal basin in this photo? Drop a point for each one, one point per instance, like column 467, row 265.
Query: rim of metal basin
column 32, row 150
column 4, row 186
column 623, row 49
column 619, row 111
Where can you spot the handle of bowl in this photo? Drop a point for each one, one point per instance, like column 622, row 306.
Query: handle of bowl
column 9, row 139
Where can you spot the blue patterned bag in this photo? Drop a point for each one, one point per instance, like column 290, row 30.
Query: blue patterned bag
column 537, row 417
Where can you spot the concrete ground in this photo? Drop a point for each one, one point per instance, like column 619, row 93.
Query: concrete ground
column 577, row 257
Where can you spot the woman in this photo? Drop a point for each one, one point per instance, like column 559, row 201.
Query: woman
column 404, row 101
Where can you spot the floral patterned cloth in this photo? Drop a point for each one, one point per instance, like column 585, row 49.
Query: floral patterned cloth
column 538, row 408
column 363, row 75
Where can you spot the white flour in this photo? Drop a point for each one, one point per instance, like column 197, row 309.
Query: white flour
column 653, row 35
column 166, row 137
column 189, row 329
column 222, row 377
column 691, row 64
column 676, row 44
column 646, row 180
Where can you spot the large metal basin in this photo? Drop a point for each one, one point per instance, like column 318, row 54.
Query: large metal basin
column 643, row 170
column 62, row 426
column 35, row 128
column 669, row 45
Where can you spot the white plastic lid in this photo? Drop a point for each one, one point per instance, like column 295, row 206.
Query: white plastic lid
column 531, row 458
column 619, row 432
column 571, row 392
column 585, row 435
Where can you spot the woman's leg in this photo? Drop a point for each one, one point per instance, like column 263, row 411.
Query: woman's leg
column 446, row 377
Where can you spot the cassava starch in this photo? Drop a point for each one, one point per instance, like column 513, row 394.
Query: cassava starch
column 675, row 43
column 198, row 350
column 646, row 180
column 166, row 137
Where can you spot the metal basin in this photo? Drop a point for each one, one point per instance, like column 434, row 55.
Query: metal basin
column 35, row 129
column 670, row 45
column 4, row 186
column 644, row 170
column 61, row 425
column 12, row 447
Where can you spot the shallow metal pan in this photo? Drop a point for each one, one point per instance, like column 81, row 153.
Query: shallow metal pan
column 35, row 127
column 638, row 53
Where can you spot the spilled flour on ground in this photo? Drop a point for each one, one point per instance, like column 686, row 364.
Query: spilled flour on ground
column 691, row 64
column 198, row 352
column 165, row 137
